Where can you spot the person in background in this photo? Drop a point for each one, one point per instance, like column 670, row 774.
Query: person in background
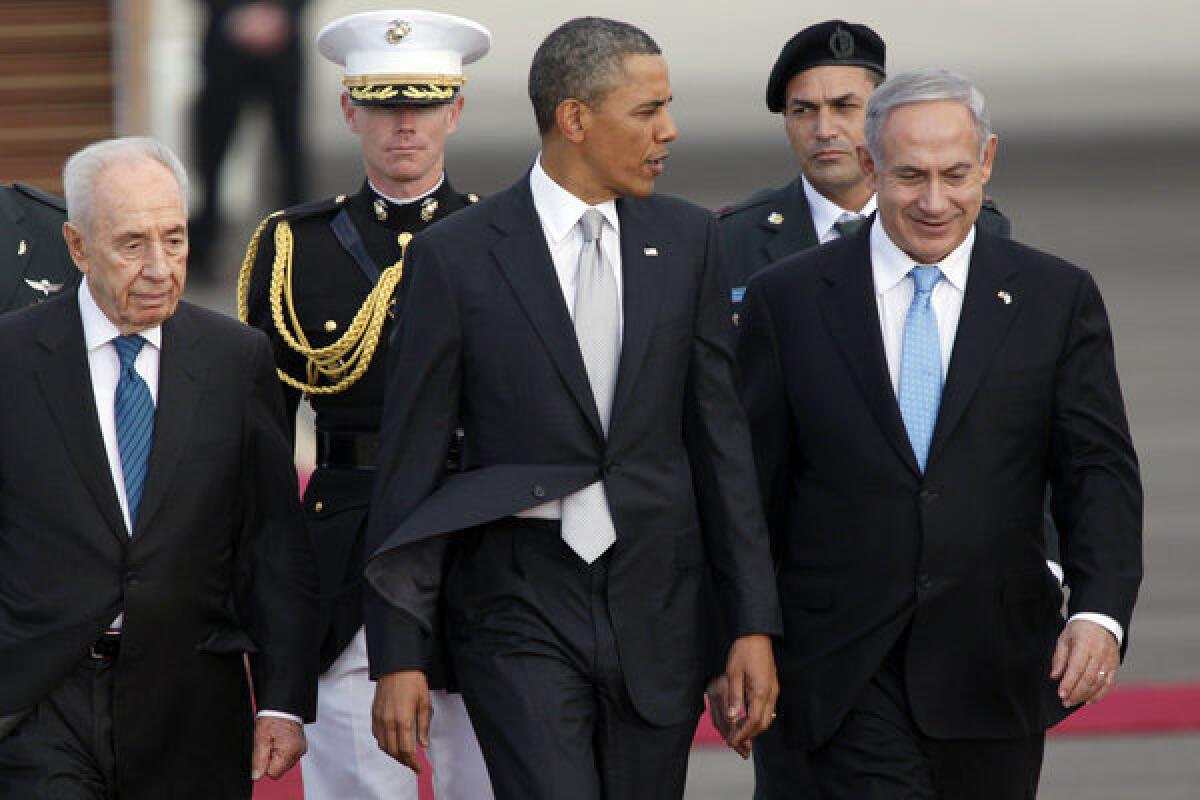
column 34, row 262
column 323, row 281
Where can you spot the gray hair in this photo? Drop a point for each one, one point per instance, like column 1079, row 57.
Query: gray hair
column 582, row 59
column 924, row 86
column 84, row 167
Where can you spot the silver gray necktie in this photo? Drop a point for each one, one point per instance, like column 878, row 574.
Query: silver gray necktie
column 587, row 525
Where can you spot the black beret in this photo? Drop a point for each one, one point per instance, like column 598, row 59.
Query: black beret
column 827, row 44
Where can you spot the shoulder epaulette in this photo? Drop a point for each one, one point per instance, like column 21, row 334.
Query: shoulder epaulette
column 45, row 198
column 757, row 199
column 316, row 208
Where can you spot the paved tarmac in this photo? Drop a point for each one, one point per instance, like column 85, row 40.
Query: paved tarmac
column 1130, row 212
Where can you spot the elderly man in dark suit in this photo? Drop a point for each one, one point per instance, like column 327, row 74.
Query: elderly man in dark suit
column 573, row 325
column 34, row 264
column 911, row 389
column 150, row 529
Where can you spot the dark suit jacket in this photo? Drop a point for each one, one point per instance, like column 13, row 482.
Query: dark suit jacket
column 486, row 340
column 869, row 547
column 34, row 262
column 752, row 237
column 219, row 563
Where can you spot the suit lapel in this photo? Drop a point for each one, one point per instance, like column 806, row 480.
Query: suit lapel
column 525, row 260
column 179, row 381
column 852, row 315
column 982, row 326
column 641, row 274
column 65, row 381
column 796, row 232
column 11, row 237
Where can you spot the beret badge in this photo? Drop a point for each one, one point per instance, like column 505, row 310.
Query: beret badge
column 841, row 43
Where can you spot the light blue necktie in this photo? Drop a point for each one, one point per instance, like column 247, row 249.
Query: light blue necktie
column 134, row 412
column 921, row 365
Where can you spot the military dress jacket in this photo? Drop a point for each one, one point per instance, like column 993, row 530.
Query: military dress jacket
column 34, row 262
column 340, row 247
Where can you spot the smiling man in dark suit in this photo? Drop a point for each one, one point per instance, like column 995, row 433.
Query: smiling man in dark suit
column 911, row 389
column 573, row 325
column 150, row 529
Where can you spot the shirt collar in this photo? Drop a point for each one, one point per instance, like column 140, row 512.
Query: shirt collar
column 558, row 209
column 890, row 264
column 825, row 212
column 408, row 200
column 99, row 330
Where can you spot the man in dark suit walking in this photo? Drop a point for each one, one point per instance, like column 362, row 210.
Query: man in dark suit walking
column 574, row 327
column 149, row 521
column 911, row 389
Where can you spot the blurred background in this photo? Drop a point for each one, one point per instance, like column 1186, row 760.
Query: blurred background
column 1099, row 122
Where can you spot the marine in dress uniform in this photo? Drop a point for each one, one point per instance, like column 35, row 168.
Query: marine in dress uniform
column 34, row 262
column 324, row 281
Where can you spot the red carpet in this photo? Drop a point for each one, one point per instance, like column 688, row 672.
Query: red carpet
column 1129, row 710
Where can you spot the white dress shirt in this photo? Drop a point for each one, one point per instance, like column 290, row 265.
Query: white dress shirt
column 559, row 211
column 397, row 201
column 105, row 367
column 825, row 212
column 890, row 267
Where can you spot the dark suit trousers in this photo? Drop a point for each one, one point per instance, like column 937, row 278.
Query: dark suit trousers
column 878, row 753
column 781, row 772
column 533, row 648
column 63, row 750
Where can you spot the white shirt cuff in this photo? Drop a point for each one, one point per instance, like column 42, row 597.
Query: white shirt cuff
column 281, row 715
column 1104, row 621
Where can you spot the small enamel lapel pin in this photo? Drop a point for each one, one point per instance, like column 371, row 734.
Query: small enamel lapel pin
column 1005, row 298
column 650, row 251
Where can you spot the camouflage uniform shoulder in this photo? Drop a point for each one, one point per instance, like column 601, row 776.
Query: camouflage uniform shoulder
column 45, row 198
column 759, row 198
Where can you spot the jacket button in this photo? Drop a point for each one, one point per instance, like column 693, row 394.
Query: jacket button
column 929, row 496
column 318, row 506
column 610, row 467
column 924, row 581
column 539, row 491
column 131, row 579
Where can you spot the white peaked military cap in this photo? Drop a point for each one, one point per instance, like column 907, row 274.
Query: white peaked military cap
column 403, row 57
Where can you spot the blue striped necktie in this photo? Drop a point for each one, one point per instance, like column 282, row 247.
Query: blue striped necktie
column 134, row 412
column 920, row 391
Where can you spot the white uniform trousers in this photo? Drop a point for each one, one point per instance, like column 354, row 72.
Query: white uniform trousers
column 343, row 760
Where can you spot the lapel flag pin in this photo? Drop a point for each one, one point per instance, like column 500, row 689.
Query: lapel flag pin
column 22, row 247
column 650, row 251
column 1005, row 297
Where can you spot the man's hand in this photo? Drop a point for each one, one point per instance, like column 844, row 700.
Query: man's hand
column 752, row 686
column 278, row 745
column 718, row 704
column 400, row 715
column 1085, row 662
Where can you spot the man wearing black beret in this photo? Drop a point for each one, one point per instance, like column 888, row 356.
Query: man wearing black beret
column 820, row 83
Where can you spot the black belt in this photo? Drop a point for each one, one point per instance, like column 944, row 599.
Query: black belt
column 347, row 449
column 106, row 647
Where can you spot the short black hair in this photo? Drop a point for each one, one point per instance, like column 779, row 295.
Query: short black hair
column 583, row 58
